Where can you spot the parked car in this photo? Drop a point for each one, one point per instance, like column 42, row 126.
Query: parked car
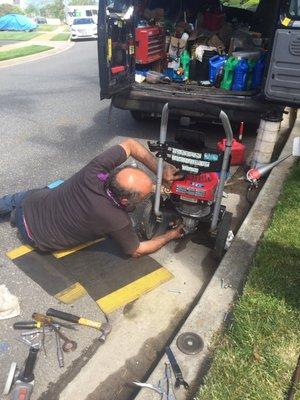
column 83, row 28
column 40, row 20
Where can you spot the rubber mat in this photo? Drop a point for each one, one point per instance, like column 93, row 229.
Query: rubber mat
column 98, row 269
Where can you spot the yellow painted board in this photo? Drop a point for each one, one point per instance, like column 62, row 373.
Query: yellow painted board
column 133, row 290
column 71, row 294
column 64, row 253
column 19, row 251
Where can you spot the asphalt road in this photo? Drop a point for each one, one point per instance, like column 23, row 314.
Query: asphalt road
column 52, row 124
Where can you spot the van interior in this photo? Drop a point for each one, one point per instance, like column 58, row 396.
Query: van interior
column 207, row 46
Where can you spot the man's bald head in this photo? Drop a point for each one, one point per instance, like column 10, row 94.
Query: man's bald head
column 129, row 186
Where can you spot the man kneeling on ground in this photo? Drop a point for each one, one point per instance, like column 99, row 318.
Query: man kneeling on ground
column 92, row 203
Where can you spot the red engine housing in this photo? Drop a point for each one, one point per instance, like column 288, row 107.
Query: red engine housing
column 199, row 187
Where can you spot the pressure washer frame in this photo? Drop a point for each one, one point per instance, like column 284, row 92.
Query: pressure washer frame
column 217, row 214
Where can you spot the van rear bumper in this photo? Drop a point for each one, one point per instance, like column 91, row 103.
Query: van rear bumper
column 239, row 108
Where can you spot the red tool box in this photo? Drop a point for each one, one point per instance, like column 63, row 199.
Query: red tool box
column 150, row 44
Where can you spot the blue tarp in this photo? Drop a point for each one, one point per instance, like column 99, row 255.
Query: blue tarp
column 16, row 22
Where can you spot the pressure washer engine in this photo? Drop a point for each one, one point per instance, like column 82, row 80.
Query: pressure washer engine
column 196, row 197
column 193, row 198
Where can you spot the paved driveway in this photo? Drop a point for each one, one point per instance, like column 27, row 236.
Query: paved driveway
column 5, row 42
column 52, row 124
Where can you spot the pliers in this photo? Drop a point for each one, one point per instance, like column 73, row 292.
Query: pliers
column 164, row 387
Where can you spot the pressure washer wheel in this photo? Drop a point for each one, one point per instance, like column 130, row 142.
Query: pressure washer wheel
column 149, row 224
column 222, row 234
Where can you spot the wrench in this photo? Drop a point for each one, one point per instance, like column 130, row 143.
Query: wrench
column 60, row 355
column 69, row 345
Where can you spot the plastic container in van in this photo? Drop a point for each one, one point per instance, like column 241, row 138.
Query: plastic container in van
column 240, row 76
column 251, row 66
column 215, row 63
column 229, row 69
column 258, row 72
column 199, row 70
column 185, row 63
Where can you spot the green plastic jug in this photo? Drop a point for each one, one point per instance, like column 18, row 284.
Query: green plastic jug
column 251, row 65
column 185, row 63
column 229, row 68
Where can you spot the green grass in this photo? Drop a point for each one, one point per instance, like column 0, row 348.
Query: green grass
column 256, row 358
column 47, row 28
column 7, row 35
column 22, row 51
column 61, row 37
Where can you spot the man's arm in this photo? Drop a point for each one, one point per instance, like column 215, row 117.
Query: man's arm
column 150, row 246
column 139, row 153
column 143, row 155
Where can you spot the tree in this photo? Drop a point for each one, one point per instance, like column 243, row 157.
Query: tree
column 32, row 10
column 55, row 9
column 9, row 9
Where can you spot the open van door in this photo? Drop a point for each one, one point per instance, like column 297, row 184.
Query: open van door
column 283, row 79
column 115, row 46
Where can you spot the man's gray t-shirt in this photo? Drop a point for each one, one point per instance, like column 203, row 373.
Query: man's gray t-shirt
column 79, row 210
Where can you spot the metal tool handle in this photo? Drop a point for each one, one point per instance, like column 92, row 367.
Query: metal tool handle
column 60, row 356
column 21, row 391
column 27, row 375
column 73, row 318
column 160, row 164
column 51, row 312
column 26, row 325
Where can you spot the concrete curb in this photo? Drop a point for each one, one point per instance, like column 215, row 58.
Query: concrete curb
column 210, row 314
column 35, row 57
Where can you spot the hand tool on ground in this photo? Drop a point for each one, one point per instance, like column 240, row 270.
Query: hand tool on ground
column 164, row 387
column 60, row 355
column 104, row 328
column 176, row 369
column 29, row 343
column 46, row 329
column 47, row 320
column 68, row 345
column 25, row 325
column 22, row 382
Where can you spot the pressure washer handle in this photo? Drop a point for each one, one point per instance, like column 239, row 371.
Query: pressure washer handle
column 160, row 163
column 225, row 165
column 197, row 106
column 27, row 376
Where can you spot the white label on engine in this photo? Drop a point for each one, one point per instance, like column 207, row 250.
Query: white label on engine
column 190, row 169
column 185, row 153
column 191, row 162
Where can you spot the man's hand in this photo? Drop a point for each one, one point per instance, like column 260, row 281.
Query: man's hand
column 170, row 174
column 150, row 246
column 177, row 233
